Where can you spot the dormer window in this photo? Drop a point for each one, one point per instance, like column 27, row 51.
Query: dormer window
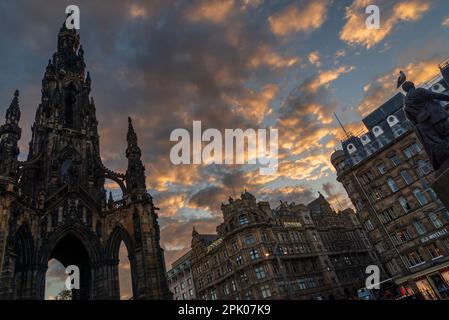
column 243, row 219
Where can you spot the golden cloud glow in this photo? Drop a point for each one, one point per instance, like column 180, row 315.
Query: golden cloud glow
column 326, row 77
column 314, row 58
column 384, row 87
column 291, row 19
column 355, row 32
column 215, row 11
column 265, row 57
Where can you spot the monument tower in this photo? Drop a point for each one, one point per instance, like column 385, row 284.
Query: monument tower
column 53, row 205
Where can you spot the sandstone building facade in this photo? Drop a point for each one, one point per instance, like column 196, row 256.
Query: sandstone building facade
column 180, row 278
column 291, row 252
column 53, row 205
column 387, row 176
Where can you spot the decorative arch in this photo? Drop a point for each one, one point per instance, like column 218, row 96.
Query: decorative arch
column 119, row 235
column 79, row 231
column 24, row 259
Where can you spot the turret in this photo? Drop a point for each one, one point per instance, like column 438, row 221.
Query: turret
column 10, row 134
column 135, row 174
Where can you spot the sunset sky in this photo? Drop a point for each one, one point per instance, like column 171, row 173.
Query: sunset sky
column 231, row 64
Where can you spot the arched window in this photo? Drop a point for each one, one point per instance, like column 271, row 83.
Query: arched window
column 124, row 273
column 420, row 197
column 392, row 184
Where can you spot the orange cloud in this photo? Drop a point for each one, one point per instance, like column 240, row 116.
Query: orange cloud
column 265, row 57
column 314, row 58
column 215, row 11
column 326, row 77
column 384, row 87
column 355, row 32
column 291, row 19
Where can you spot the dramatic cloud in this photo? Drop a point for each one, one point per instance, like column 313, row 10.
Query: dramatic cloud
column 293, row 19
column 384, row 87
column 231, row 64
column 355, row 32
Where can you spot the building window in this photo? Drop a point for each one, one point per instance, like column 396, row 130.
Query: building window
column 392, row 184
column 235, row 247
column 239, row 260
column 381, row 168
column 233, row 285
column 191, row 292
column 302, row 284
column 249, row 239
column 388, row 215
column 369, row 225
column 434, row 251
column 265, row 237
column 189, row 281
column 176, row 289
column 226, row 290
column 243, row 219
column 265, row 290
column 254, row 254
column 424, row 167
column 312, row 283
column 395, row 160
column 407, row 177
column 404, row 204
column 419, row 227
column 412, row 150
column 435, row 220
column 260, row 273
column 243, row 277
column 446, row 214
column 403, row 236
column 414, row 258
column 213, row 294
column 248, row 295
column 376, row 194
column 420, row 197
column 366, row 177
column 183, row 285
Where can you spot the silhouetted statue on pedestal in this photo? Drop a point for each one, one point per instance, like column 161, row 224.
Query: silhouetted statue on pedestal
column 429, row 118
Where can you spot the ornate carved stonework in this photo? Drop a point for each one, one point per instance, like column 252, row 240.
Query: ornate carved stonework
column 53, row 205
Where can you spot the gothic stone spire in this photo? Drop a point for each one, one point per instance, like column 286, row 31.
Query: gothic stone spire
column 135, row 175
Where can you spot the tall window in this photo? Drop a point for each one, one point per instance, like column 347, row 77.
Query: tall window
column 243, row 219
column 260, row 273
column 265, row 290
column 249, row 239
column 424, row 167
column 395, row 160
column 404, row 204
column 369, row 225
column 392, row 184
column 407, row 177
column 434, row 251
column 366, row 177
column 419, row 227
column 412, row 150
column 213, row 294
column 388, row 215
column 414, row 258
column 254, row 254
column 381, row 168
column 435, row 220
column 420, row 196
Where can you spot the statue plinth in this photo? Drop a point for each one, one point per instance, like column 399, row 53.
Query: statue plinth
column 441, row 183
